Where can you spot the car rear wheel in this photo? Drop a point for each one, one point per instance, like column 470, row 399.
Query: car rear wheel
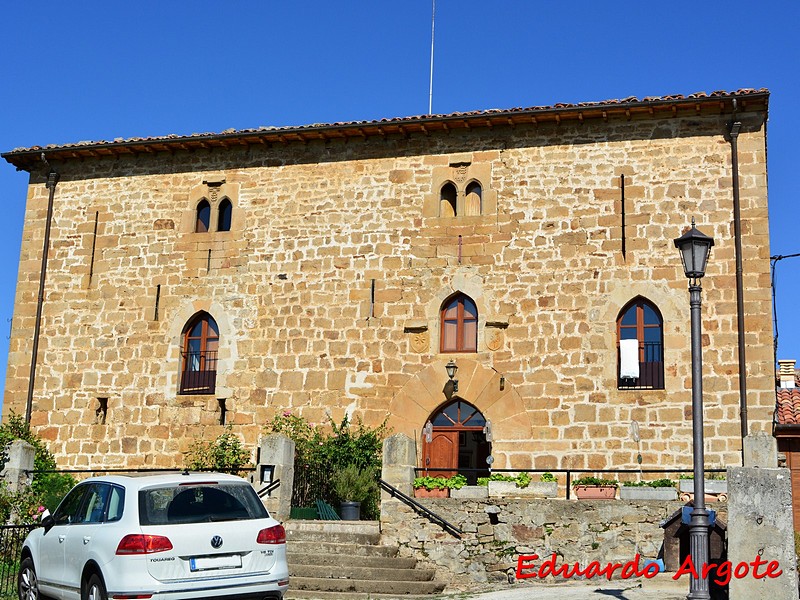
column 27, row 582
column 94, row 589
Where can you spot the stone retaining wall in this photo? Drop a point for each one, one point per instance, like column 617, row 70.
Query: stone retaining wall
column 496, row 532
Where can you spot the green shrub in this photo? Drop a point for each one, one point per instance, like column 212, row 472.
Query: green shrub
column 548, row 477
column 225, row 453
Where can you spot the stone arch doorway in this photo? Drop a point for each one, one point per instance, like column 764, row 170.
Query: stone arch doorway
column 455, row 441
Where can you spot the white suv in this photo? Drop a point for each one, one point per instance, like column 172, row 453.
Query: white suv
column 168, row 537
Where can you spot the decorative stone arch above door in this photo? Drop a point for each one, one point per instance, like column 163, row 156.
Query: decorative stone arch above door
column 479, row 385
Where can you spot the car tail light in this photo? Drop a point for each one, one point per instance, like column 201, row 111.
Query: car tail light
column 137, row 543
column 272, row 535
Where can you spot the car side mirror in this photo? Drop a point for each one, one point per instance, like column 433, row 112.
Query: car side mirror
column 47, row 522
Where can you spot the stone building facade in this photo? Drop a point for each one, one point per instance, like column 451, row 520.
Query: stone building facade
column 331, row 269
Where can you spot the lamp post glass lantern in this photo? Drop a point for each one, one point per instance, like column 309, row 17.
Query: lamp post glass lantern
column 451, row 368
column 695, row 247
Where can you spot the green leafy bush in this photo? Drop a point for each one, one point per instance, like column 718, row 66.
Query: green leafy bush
column 548, row 477
column 594, row 481
column 48, row 487
column 225, row 453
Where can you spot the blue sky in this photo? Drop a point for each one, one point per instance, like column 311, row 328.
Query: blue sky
column 92, row 70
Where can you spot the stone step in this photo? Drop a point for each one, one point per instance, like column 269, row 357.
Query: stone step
column 398, row 588
column 344, row 532
column 314, row 595
column 349, row 560
column 294, row 547
column 382, row 574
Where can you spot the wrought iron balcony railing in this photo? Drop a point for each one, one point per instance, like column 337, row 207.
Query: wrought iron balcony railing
column 198, row 372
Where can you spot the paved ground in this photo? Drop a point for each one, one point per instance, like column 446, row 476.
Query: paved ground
column 660, row 589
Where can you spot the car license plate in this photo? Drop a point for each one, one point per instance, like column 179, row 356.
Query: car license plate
column 206, row 563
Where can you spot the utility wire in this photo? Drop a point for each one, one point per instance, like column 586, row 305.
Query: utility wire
column 773, row 262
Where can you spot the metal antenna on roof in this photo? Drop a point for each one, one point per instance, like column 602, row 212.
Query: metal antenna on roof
column 433, row 21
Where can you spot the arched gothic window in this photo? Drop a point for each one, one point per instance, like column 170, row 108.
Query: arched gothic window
column 203, row 216
column 473, row 205
column 199, row 356
column 225, row 214
column 447, row 200
column 459, row 326
column 640, row 343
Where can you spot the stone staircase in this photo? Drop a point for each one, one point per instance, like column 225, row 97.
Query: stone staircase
column 344, row 560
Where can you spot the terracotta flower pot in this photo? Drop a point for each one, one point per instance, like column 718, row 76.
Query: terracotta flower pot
column 435, row 493
column 595, row 492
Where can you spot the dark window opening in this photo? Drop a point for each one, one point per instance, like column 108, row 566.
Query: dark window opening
column 225, row 214
column 101, row 411
column 223, row 411
column 447, row 201
column 203, row 217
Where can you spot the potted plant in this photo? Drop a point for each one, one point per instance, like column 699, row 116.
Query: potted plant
column 593, row 488
column 437, row 487
column 353, row 486
column 502, row 485
column 659, row 489
column 715, row 486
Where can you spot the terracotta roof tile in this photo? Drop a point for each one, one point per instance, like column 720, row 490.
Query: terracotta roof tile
column 787, row 405
column 631, row 100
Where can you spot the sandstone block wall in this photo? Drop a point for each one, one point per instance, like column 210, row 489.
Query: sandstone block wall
column 496, row 533
column 328, row 287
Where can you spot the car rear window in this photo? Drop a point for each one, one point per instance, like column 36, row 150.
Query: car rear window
column 197, row 503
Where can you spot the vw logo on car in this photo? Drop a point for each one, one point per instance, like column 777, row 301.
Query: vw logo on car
column 216, row 542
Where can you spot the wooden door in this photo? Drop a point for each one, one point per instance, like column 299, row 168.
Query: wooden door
column 441, row 453
column 791, row 448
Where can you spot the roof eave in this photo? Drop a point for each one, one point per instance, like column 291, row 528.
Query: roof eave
column 717, row 103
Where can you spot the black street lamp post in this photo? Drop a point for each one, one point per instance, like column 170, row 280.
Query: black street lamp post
column 695, row 247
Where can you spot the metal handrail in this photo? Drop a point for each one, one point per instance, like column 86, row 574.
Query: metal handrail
column 269, row 488
column 432, row 516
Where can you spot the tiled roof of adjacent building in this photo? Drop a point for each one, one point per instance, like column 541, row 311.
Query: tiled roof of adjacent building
column 700, row 103
column 787, row 405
